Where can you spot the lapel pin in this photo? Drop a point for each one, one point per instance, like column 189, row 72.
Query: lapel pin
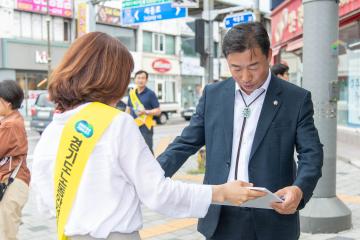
column 275, row 102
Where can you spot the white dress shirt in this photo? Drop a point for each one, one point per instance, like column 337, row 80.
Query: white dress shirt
column 249, row 131
column 120, row 174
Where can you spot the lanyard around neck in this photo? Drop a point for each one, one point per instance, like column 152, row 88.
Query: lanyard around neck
column 246, row 114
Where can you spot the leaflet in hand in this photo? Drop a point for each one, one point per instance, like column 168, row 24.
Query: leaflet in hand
column 261, row 202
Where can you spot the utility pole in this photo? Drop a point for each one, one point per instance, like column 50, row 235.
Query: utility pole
column 92, row 14
column 257, row 10
column 324, row 213
column 48, row 21
column 209, row 41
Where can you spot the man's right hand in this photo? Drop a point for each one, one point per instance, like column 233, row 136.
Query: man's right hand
column 235, row 193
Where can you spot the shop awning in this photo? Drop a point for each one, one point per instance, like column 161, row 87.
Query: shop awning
column 276, row 50
column 294, row 45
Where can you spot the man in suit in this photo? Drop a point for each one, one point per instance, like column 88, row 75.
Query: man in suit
column 251, row 124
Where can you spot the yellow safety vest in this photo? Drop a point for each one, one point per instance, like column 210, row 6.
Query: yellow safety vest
column 137, row 105
column 78, row 140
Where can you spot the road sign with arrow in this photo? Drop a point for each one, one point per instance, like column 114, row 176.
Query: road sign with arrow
column 165, row 11
column 238, row 18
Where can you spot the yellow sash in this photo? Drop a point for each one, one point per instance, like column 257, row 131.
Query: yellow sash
column 137, row 105
column 79, row 137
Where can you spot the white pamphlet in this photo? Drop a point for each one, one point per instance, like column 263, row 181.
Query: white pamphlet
column 261, row 202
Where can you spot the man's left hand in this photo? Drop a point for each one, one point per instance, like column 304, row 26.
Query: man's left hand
column 292, row 196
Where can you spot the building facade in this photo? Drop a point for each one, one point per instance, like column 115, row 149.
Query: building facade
column 287, row 43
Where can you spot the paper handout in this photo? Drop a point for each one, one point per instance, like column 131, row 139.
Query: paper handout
column 262, row 202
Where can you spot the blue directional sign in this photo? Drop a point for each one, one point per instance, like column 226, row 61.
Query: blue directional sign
column 133, row 16
column 243, row 17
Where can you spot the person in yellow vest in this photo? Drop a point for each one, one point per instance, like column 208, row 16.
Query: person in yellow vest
column 92, row 168
column 143, row 106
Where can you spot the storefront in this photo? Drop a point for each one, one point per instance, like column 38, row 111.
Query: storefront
column 349, row 64
column 287, row 29
column 164, row 76
column 287, row 43
column 26, row 62
column 192, row 75
column 286, row 39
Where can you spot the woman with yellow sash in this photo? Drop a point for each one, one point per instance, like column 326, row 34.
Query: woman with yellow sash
column 92, row 168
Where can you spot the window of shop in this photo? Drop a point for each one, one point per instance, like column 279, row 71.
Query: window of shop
column 158, row 43
column 190, row 91
column 170, row 45
column 188, row 46
column 37, row 27
column 125, row 35
column 67, row 30
column 147, row 41
column 33, row 83
column 34, row 26
column 25, row 20
column 349, row 75
column 58, row 29
column 17, row 25
column 169, row 91
column 164, row 87
column 32, row 80
column 44, row 27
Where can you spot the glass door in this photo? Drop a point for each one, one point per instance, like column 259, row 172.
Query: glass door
column 160, row 89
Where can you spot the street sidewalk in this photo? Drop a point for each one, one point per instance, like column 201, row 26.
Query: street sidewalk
column 159, row 227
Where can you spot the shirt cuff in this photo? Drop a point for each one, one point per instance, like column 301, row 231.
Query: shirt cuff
column 201, row 200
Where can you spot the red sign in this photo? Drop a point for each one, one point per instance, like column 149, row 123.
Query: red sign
column 347, row 6
column 288, row 18
column 287, row 22
column 161, row 65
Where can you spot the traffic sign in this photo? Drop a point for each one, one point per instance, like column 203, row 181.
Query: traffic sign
column 234, row 19
column 141, row 3
column 133, row 16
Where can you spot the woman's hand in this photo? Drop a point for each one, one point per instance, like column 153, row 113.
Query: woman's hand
column 235, row 193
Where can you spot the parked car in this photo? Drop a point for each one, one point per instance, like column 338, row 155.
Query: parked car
column 187, row 113
column 41, row 113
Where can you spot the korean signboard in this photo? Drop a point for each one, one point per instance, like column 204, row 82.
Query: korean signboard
column 61, row 8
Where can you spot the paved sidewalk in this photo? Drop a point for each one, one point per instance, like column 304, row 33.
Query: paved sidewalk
column 159, row 227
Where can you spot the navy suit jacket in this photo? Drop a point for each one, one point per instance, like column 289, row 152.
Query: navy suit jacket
column 281, row 128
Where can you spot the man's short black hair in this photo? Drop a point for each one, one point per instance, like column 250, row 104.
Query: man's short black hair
column 141, row 72
column 279, row 68
column 246, row 36
column 11, row 92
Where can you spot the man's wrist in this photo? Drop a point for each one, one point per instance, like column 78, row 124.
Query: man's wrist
column 299, row 191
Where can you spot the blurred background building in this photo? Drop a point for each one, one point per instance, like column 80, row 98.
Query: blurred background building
column 166, row 49
column 287, row 18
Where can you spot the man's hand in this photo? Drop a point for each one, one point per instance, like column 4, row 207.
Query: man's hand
column 292, row 196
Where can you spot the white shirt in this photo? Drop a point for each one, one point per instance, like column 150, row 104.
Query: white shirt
column 120, row 174
column 249, row 131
